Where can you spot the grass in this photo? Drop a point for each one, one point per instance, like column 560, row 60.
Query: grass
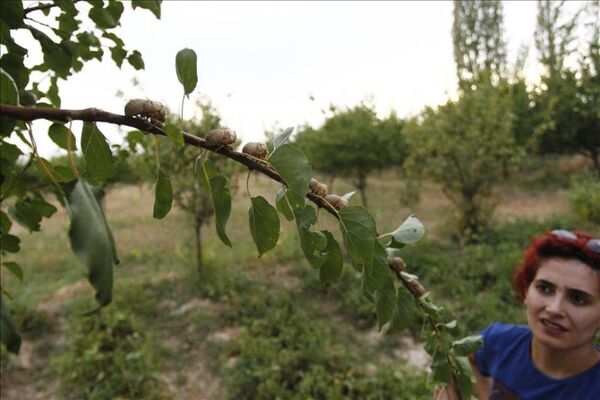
column 206, row 329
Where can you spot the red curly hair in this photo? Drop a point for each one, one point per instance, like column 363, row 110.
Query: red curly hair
column 550, row 246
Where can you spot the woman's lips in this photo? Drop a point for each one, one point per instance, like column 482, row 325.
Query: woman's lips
column 553, row 327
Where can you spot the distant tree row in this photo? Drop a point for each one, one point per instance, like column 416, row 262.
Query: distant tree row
column 470, row 144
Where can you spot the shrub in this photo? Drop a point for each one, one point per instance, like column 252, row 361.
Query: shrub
column 108, row 356
column 585, row 198
column 285, row 353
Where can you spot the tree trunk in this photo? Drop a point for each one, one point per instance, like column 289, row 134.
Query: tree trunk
column 199, row 263
column 362, row 186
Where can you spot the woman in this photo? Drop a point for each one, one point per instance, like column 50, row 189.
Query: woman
column 554, row 357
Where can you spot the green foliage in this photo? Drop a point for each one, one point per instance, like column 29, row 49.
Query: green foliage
column 284, row 353
column 585, row 198
column 353, row 143
column 479, row 48
column 466, row 147
column 568, row 104
column 108, row 356
column 68, row 40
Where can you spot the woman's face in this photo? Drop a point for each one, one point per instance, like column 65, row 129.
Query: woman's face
column 563, row 304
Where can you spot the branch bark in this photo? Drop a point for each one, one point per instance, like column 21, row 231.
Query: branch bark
column 95, row 115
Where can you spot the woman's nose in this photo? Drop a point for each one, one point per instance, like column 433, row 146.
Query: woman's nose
column 555, row 305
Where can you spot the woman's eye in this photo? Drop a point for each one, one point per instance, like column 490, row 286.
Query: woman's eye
column 544, row 288
column 579, row 299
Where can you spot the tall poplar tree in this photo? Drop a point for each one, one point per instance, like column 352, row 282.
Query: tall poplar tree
column 479, row 46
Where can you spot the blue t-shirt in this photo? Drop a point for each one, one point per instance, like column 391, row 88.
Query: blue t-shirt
column 506, row 358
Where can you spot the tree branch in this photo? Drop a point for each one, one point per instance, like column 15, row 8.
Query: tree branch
column 96, row 115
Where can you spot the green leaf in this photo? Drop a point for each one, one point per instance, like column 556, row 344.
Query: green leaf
column 385, row 302
column 5, row 223
column 9, row 94
column 331, row 269
column 283, row 204
column 405, row 312
column 64, row 174
column 91, row 238
column 26, row 214
column 410, row 231
column 468, row 345
column 152, row 5
column 61, row 135
column 11, row 12
column 135, row 60
column 463, row 377
column 185, row 66
column 56, row 57
column 118, row 55
column 9, row 152
column 313, row 244
column 174, row 134
column 282, row 138
column 15, row 269
column 441, row 368
column 98, row 157
column 52, row 93
column 163, row 196
column 8, row 332
column 13, row 65
column 67, row 24
column 358, row 230
column 217, row 186
column 106, row 18
column 264, row 224
column 294, row 168
column 10, row 243
column 377, row 274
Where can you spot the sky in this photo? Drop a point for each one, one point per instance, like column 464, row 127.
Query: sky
column 270, row 65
